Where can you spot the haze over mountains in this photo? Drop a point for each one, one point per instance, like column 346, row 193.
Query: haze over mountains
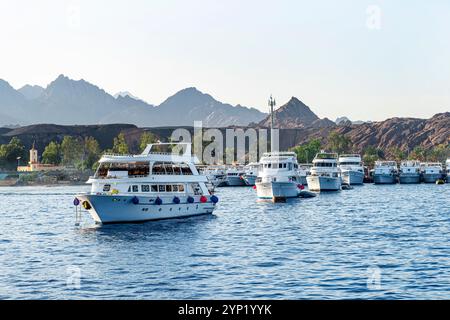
column 68, row 102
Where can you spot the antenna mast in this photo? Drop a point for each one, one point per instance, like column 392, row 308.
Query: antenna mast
column 272, row 104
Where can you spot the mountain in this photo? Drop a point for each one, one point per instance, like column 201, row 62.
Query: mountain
column 344, row 121
column 67, row 102
column 296, row 114
column 124, row 94
column 31, row 92
column 190, row 105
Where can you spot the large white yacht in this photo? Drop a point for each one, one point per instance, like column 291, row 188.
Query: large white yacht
column 325, row 174
column 352, row 169
column 278, row 177
column 385, row 172
column 251, row 173
column 409, row 172
column 431, row 171
column 151, row 186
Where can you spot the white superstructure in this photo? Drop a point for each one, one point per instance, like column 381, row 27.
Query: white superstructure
column 251, row 173
column 278, row 177
column 325, row 174
column 352, row 169
column 150, row 186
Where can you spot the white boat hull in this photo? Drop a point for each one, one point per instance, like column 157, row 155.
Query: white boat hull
column 235, row 181
column 384, row 179
column 121, row 209
column 407, row 178
column 270, row 190
column 323, row 183
column 250, row 180
column 352, row 177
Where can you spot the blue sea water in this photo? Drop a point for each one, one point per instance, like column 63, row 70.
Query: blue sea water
column 373, row 242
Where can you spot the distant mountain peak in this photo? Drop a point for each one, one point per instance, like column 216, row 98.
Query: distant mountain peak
column 31, row 91
column 125, row 94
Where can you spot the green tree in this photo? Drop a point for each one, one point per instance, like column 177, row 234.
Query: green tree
column 120, row 146
column 440, row 153
column 52, row 154
column 418, row 153
column 339, row 143
column 10, row 152
column 372, row 154
column 92, row 152
column 397, row 153
column 307, row 152
column 146, row 138
column 71, row 150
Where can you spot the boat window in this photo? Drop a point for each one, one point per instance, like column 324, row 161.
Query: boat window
column 162, row 188
column 145, row 188
column 269, row 165
column 135, row 188
column 280, row 165
column 129, row 189
column 290, row 166
column 175, row 188
column 106, row 187
column 181, row 188
column 168, row 188
column 154, row 188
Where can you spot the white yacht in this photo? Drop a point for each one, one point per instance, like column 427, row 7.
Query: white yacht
column 304, row 170
column 409, row 172
column 385, row 172
column 151, row 186
column 234, row 176
column 352, row 169
column 447, row 169
column 216, row 175
column 251, row 173
column 325, row 174
column 431, row 171
column 278, row 177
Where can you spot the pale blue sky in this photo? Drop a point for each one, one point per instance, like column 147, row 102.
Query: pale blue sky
column 240, row 51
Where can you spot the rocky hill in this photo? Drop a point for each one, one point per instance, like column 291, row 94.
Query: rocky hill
column 296, row 114
column 67, row 102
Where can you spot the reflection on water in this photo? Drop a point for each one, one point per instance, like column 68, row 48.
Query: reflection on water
column 370, row 242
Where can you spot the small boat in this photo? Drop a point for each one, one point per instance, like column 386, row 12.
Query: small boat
column 431, row 172
column 447, row 168
column 153, row 185
column 325, row 174
column 352, row 169
column 215, row 174
column 304, row 170
column 409, row 172
column 234, row 176
column 385, row 172
column 251, row 173
column 277, row 178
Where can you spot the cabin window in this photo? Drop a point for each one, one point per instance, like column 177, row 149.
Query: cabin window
column 162, row 188
column 171, row 168
column 133, row 169
column 181, row 188
column 168, row 188
column 135, row 188
column 154, row 188
column 290, row 166
column 129, row 189
column 175, row 188
column 106, row 187
column 280, row 165
column 269, row 165
column 145, row 188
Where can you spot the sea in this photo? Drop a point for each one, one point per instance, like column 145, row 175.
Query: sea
column 372, row 242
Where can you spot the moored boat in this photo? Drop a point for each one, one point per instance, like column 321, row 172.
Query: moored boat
column 251, row 173
column 385, row 172
column 151, row 186
column 431, row 172
column 325, row 174
column 409, row 172
column 352, row 170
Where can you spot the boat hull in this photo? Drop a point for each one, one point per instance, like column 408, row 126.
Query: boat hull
column 409, row 178
column 431, row 177
column 107, row 209
column 321, row 183
column 352, row 177
column 270, row 190
column 250, row 180
column 235, row 181
column 384, row 179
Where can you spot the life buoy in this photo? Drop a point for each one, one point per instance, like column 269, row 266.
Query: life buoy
column 214, row 199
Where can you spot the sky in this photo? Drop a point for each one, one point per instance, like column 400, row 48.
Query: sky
column 367, row 60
